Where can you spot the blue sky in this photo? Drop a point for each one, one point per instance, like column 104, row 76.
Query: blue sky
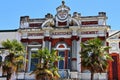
column 11, row 10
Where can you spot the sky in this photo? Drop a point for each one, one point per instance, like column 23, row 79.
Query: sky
column 12, row 10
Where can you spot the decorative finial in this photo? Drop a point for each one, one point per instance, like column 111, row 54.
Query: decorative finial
column 63, row 2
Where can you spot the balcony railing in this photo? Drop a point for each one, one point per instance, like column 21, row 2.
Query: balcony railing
column 65, row 75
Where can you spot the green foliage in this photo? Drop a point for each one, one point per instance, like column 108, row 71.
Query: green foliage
column 46, row 67
column 14, row 60
column 94, row 55
column 13, row 46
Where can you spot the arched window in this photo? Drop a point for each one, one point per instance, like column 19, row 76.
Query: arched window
column 34, row 61
column 64, row 52
column 33, row 47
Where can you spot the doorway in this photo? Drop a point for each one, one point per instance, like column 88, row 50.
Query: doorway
column 115, row 68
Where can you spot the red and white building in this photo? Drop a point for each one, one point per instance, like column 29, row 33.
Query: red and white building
column 114, row 67
column 64, row 32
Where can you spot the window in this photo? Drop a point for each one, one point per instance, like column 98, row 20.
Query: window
column 62, row 54
column 69, row 60
column 34, row 61
column 66, row 62
column 61, row 62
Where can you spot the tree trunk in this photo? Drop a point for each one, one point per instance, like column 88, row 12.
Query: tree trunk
column 9, row 76
column 92, row 75
column 9, row 73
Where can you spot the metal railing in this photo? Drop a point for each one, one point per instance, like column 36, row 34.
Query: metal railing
column 65, row 74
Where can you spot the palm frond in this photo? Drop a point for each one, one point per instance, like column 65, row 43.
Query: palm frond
column 94, row 55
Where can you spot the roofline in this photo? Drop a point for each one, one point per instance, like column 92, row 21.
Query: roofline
column 113, row 34
column 13, row 30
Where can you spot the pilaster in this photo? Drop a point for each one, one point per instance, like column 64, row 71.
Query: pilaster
column 47, row 38
column 74, row 53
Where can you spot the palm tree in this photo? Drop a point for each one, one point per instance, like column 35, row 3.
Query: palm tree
column 46, row 68
column 94, row 56
column 14, row 60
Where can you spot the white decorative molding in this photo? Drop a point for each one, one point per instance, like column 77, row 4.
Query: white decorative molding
column 47, row 23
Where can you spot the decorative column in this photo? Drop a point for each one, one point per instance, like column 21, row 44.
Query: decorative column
column 47, row 38
column 25, row 56
column 74, row 53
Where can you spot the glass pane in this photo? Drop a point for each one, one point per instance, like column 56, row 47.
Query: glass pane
column 69, row 53
column 61, row 53
column 34, row 61
column 69, row 63
column 61, row 64
column 33, row 64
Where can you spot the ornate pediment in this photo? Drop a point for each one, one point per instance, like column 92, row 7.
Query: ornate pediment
column 62, row 12
column 63, row 7
column 63, row 19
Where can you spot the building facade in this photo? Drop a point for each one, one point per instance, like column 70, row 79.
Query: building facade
column 64, row 32
column 114, row 42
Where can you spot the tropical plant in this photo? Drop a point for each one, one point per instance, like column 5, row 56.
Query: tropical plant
column 94, row 56
column 14, row 60
column 46, row 68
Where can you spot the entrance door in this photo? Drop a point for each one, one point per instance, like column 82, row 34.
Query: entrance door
column 115, row 68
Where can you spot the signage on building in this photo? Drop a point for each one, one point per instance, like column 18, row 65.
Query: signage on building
column 62, row 33
column 35, row 34
column 89, row 32
column 89, row 22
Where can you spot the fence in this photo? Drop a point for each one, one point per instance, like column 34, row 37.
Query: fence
column 3, row 78
column 97, row 76
column 65, row 75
